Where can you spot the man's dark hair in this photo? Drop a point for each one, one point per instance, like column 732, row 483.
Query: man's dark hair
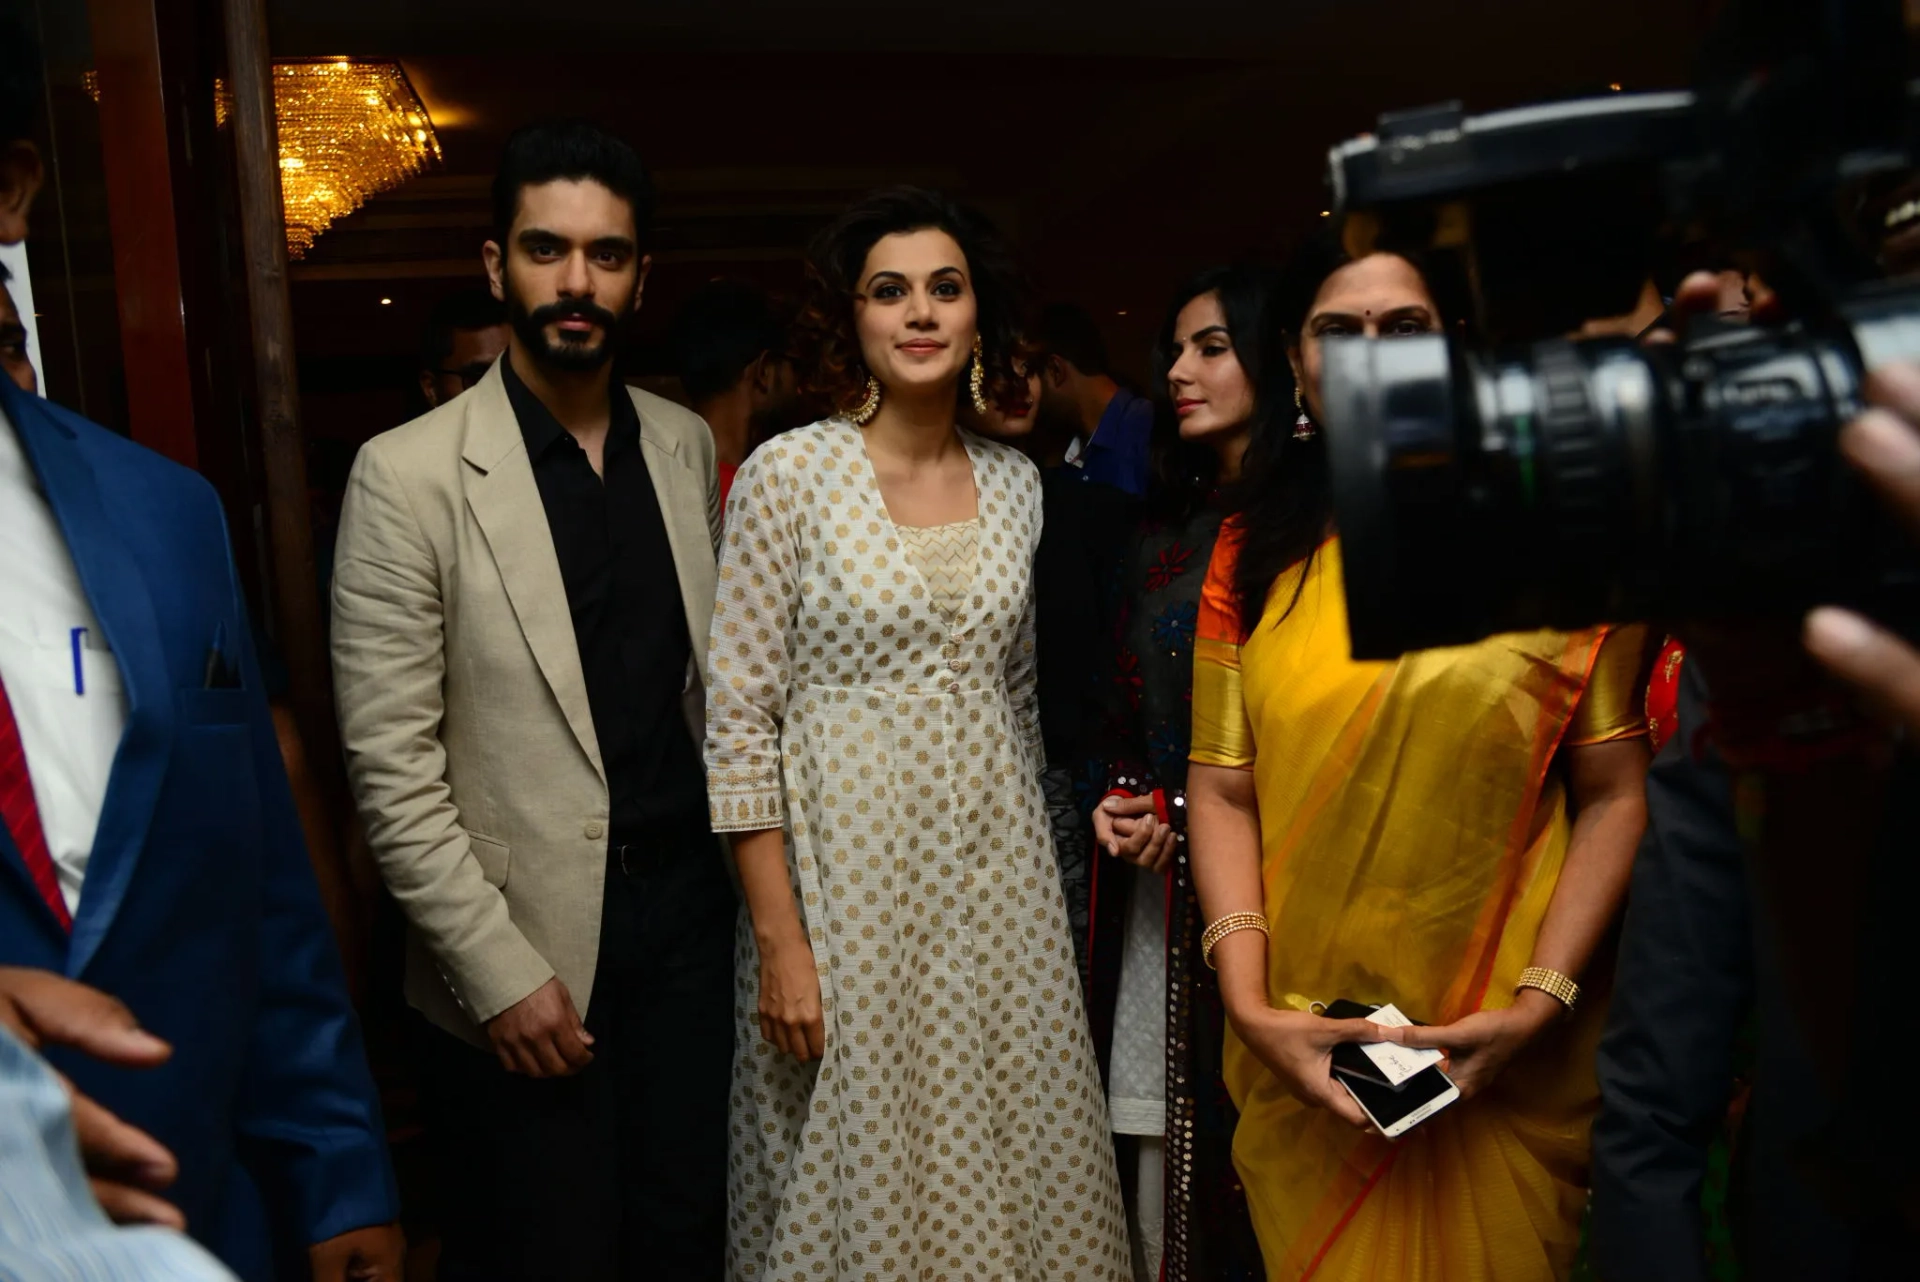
column 474, row 307
column 718, row 333
column 20, row 85
column 570, row 151
column 1068, row 331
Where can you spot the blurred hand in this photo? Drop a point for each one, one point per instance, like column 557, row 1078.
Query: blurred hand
column 125, row 1165
column 1298, row 1049
column 790, row 1012
column 541, row 1034
column 376, row 1254
column 1884, row 444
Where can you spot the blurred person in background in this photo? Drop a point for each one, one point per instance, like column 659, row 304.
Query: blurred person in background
column 1091, row 499
column 1220, row 365
column 1451, row 832
column 464, row 335
column 729, row 348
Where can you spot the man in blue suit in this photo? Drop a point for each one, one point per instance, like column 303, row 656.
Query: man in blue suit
column 149, row 844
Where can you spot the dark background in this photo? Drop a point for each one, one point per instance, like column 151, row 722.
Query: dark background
column 1121, row 145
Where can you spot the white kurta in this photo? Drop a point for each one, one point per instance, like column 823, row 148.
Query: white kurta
column 955, row 1127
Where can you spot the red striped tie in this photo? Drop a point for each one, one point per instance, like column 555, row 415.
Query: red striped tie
column 22, row 815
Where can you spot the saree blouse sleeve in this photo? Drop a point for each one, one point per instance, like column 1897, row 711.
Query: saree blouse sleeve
column 748, row 651
column 1614, row 704
column 1222, row 733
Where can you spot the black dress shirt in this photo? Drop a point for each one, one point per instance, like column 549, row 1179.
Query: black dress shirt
column 628, row 619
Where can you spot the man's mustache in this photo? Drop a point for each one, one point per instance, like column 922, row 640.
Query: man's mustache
column 573, row 309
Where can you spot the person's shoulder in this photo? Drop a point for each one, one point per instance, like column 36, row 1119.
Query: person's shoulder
column 433, row 438
column 802, row 447
column 672, row 420
column 121, row 458
column 1000, row 454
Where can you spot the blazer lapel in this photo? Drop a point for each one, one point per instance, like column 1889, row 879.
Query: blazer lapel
column 120, row 598
column 683, row 509
column 505, row 500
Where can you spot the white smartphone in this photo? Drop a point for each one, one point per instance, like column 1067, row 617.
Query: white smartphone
column 1395, row 1110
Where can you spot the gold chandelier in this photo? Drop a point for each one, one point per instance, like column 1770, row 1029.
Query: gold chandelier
column 349, row 129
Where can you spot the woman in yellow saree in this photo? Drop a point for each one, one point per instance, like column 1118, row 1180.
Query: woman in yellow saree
column 1418, row 832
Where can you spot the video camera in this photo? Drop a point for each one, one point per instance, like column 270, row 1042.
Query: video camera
column 1533, row 481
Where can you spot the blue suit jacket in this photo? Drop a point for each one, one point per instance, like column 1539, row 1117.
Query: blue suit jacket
column 200, row 910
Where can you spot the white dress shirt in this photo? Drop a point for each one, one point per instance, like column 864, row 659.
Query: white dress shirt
column 61, row 679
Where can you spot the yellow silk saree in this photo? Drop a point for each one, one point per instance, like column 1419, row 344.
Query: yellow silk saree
column 1412, row 832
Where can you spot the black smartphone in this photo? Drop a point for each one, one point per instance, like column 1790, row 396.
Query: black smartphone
column 1393, row 1110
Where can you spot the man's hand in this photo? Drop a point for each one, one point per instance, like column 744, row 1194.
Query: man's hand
column 376, row 1254
column 541, row 1034
column 1884, row 444
column 125, row 1165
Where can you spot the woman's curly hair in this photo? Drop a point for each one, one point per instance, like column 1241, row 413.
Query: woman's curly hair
column 826, row 345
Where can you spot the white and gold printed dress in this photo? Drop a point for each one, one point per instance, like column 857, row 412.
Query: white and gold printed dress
column 872, row 690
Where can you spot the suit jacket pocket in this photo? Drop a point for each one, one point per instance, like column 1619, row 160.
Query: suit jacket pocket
column 492, row 855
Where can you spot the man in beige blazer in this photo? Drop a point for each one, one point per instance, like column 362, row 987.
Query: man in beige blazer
column 522, row 590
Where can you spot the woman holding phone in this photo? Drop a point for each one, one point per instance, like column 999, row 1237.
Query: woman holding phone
column 1450, row 832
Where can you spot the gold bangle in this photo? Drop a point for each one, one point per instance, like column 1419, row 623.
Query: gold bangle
column 1226, row 926
column 1550, row 982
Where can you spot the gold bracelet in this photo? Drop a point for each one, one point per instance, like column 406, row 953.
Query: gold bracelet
column 1550, row 982
column 1226, row 926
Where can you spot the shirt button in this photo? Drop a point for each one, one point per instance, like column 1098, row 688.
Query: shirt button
column 954, row 664
column 595, row 832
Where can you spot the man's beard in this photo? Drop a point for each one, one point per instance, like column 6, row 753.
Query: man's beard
column 578, row 355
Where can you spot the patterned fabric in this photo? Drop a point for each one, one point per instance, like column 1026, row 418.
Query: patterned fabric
column 1413, row 829
column 1167, row 1046
column 954, row 1128
column 945, row 556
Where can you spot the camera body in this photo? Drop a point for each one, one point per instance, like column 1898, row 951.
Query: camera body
column 1534, row 481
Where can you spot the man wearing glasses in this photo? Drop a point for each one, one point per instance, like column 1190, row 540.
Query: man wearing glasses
column 464, row 335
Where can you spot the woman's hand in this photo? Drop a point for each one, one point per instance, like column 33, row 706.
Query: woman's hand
column 1479, row 1046
column 1298, row 1049
column 790, row 1015
column 1127, row 828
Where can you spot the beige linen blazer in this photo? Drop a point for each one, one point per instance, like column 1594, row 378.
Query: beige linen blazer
column 463, row 707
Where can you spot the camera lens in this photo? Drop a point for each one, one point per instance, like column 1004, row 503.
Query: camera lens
column 1564, row 484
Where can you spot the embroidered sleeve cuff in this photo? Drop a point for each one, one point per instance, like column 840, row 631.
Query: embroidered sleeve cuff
column 746, row 807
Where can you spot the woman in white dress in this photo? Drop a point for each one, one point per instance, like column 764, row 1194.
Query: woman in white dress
column 915, row 1092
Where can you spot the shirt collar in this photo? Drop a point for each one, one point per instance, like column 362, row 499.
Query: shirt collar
column 541, row 430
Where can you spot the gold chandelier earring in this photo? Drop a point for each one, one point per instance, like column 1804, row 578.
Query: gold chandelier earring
column 1303, row 428
column 869, row 407
column 976, row 382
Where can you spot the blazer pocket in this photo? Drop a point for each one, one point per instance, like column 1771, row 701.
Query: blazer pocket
column 492, row 855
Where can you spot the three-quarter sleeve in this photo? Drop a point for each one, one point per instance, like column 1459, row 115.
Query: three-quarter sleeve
column 1614, row 704
column 749, row 647
column 1222, row 734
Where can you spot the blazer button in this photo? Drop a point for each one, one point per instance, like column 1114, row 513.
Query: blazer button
column 595, row 832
